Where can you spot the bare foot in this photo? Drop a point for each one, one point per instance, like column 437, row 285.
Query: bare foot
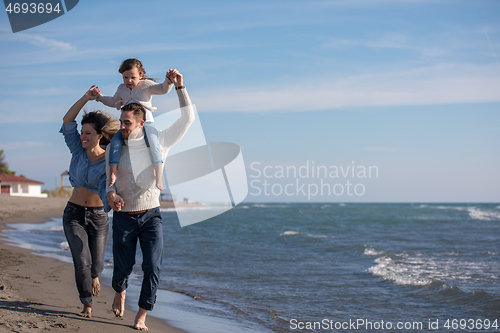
column 87, row 311
column 119, row 304
column 158, row 176
column 159, row 186
column 140, row 320
column 96, row 287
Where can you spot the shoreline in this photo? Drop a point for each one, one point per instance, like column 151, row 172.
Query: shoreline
column 39, row 293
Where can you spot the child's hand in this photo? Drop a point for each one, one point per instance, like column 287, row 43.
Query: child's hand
column 175, row 77
column 93, row 93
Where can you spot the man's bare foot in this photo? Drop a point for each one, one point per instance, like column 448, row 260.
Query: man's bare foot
column 96, row 287
column 87, row 311
column 119, row 304
column 140, row 320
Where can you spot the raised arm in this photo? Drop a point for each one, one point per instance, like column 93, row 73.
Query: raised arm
column 70, row 116
column 174, row 133
column 110, row 101
column 161, row 88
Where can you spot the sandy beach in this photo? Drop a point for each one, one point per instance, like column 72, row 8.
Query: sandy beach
column 39, row 293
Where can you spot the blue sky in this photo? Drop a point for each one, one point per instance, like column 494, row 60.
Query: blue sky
column 412, row 87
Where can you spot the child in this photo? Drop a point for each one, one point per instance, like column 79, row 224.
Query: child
column 137, row 88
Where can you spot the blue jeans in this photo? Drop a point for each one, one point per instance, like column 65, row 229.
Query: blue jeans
column 87, row 231
column 151, row 138
column 148, row 230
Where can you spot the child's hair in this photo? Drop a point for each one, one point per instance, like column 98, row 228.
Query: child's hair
column 103, row 124
column 128, row 64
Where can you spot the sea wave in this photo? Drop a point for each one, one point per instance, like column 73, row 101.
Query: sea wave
column 194, row 208
column 318, row 236
column 270, row 206
column 419, row 270
column 64, row 246
column 398, row 272
column 481, row 214
column 370, row 251
column 461, row 208
column 290, row 232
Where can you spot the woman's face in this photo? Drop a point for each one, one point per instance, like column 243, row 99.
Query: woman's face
column 89, row 137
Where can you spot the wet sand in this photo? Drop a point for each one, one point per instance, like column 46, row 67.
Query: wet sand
column 39, row 293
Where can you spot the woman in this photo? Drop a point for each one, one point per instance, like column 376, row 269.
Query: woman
column 85, row 218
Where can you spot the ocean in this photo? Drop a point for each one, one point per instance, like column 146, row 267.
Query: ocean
column 320, row 267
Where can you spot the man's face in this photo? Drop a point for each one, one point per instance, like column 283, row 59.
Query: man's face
column 129, row 123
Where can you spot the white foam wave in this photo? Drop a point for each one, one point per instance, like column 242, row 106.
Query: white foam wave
column 290, row 232
column 342, row 204
column 444, row 207
column 370, row 251
column 325, row 206
column 419, row 270
column 270, row 206
column 64, row 246
column 317, row 236
column 398, row 272
column 479, row 214
column 60, row 228
column 195, row 208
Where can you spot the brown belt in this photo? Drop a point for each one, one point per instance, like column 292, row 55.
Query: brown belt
column 138, row 212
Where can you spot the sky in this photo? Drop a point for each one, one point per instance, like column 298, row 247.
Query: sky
column 409, row 89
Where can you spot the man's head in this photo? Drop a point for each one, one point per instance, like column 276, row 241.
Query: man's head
column 133, row 116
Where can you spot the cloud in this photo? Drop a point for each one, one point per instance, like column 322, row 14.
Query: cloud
column 46, row 42
column 382, row 149
column 441, row 84
column 391, row 41
column 19, row 145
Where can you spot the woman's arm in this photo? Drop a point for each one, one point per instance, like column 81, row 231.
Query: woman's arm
column 70, row 116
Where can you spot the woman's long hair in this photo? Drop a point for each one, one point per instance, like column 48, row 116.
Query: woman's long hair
column 103, row 124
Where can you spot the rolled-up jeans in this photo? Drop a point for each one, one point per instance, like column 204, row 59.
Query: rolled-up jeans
column 146, row 228
column 87, row 232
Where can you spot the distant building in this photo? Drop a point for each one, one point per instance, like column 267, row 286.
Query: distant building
column 19, row 186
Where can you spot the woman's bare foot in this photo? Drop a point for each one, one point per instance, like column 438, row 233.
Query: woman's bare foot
column 119, row 304
column 87, row 311
column 96, row 287
column 140, row 320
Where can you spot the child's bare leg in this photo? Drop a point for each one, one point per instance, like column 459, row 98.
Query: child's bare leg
column 112, row 176
column 158, row 172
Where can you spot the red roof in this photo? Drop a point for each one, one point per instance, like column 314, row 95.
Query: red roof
column 16, row 179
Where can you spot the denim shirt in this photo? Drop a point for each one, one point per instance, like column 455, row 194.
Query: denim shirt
column 82, row 173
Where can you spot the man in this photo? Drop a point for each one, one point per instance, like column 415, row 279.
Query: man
column 135, row 201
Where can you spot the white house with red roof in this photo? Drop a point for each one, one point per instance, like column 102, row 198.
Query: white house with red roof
column 19, row 186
